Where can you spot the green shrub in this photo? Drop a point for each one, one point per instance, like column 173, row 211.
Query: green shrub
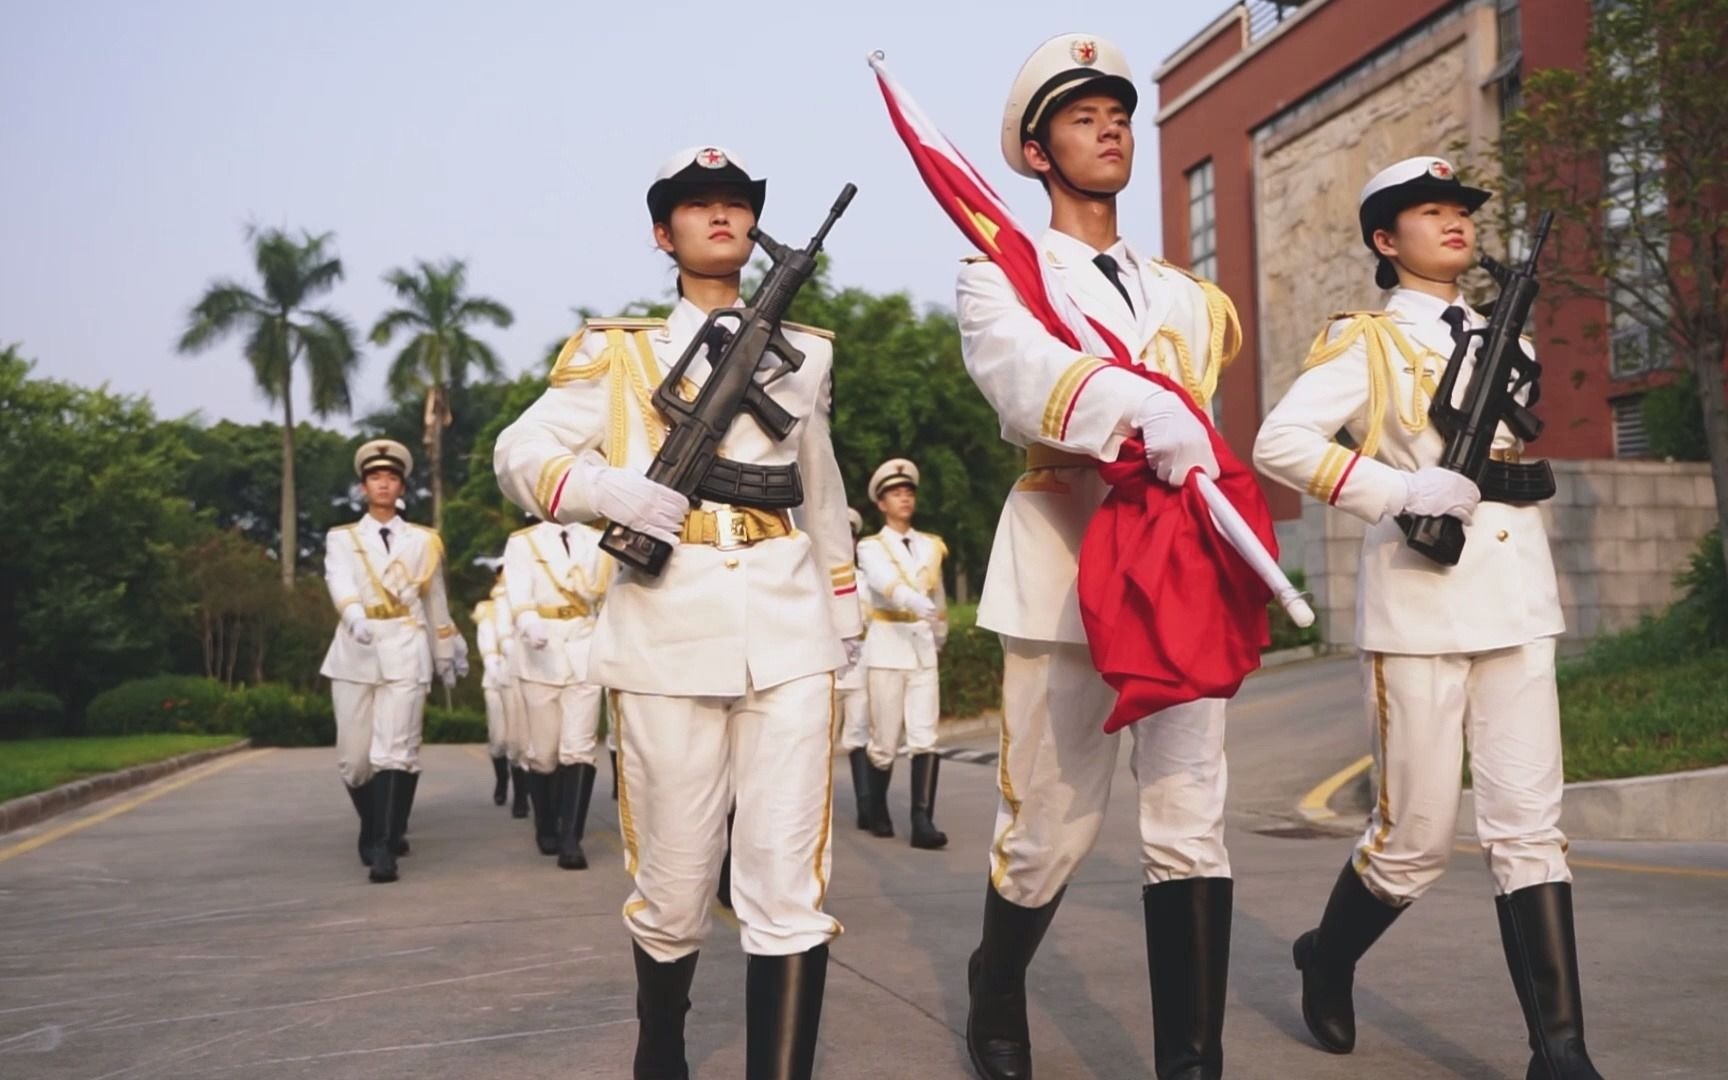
column 273, row 715
column 166, row 704
column 1674, row 417
column 1704, row 605
column 1286, row 634
column 456, row 725
column 30, row 714
column 971, row 672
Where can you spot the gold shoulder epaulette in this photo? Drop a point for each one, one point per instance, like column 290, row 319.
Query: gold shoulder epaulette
column 970, row 259
column 1336, row 315
column 424, row 529
column 817, row 331
column 624, row 322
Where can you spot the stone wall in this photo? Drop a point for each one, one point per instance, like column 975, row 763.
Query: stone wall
column 1620, row 531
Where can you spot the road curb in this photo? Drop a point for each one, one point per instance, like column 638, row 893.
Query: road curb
column 1670, row 806
column 29, row 809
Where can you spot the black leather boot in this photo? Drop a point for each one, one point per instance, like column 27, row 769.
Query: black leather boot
column 404, row 792
column 501, row 781
column 386, row 797
column 1542, row 954
column 545, row 812
column 880, row 823
column 860, row 761
column 1353, row 921
column 662, row 1000
column 1188, row 958
column 997, row 1037
column 574, row 791
column 925, row 834
column 519, row 804
column 782, row 1010
column 362, row 799
column 614, row 755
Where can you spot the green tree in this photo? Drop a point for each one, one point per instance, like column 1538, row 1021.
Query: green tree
column 90, row 589
column 235, row 478
column 280, row 330
column 437, row 359
column 1631, row 153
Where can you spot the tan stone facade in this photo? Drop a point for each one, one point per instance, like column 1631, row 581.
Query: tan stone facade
column 1620, row 531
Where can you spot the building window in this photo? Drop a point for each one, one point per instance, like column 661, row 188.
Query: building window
column 1202, row 223
column 1508, row 77
column 1631, row 438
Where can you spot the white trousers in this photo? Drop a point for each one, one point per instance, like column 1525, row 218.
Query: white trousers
column 495, row 745
column 378, row 726
column 1423, row 711
column 563, row 725
column 682, row 763
column 515, row 722
column 854, row 719
column 1056, row 765
column 902, row 699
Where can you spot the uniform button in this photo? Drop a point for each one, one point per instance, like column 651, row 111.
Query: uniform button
column 1502, row 535
column 732, row 564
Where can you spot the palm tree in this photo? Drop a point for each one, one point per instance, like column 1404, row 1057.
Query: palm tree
column 439, row 356
column 280, row 330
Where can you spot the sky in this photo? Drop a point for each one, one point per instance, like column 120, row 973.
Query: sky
column 138, row 141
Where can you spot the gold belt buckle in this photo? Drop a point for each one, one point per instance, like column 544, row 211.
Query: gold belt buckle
column 729, row 530
column 568, row 611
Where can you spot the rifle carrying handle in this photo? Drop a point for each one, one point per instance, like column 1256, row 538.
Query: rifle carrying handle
column 1440, row 538
column 635, row 549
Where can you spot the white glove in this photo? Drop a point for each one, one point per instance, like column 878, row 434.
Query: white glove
column 918, row 604
column 854, row 647
column 1175, row 441
column 354, row 621
column 447, row 673
column 461, row 663
column 636, row 502
column 1437, row 492
column 533, row 630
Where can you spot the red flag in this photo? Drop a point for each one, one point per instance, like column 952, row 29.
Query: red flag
column 1172, row 613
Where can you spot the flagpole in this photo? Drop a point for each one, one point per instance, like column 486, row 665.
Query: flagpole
column 1247, row 545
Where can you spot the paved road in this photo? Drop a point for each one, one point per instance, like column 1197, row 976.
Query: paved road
column 218, row 925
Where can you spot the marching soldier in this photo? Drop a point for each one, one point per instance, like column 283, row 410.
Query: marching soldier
column 1449, row 654
column 558, row 577
column 510, row 692
column 386, row 578
column 491, row 687
column 902, row 568
column 1067, row 124
column 852, row 687
column 722, row 668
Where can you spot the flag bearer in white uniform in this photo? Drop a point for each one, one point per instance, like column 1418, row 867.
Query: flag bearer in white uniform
column 902, row 570
column 558, row 577
column 1452, row 657
column 723, row 666
column 853, row 688
column 1068, row 125
column 386, row 578
column 492, row 676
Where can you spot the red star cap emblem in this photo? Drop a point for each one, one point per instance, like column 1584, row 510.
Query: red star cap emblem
column 1085, row 53
column 711, row 158
column 1440, row 170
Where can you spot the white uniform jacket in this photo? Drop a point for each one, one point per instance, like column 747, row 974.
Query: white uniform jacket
column 565, row 589
column 893, row 572
column 486, row 636
column 401, row 589
column 1373, row 374
column 716, row 621
column 1049, row 396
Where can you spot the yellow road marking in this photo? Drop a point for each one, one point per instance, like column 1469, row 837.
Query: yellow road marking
column 26, row 846
column 1313, row 805
column 1614, row 865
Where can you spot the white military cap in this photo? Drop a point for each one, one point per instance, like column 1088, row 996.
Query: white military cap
column 856, row 520
column 1408, row 183
column 383, row 454
column 699, row 168
column 1050, row 77
column 896, row 472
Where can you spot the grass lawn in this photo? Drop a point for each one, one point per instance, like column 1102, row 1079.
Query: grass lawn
column 1624, row 720
column 30, row 765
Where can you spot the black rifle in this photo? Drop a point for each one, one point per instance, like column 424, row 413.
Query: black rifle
column 1501, row 375
column 736, row 341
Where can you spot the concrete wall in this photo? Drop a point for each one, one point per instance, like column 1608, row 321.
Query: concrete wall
column 1620, row 530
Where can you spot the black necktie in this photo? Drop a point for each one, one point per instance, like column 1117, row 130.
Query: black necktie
column 565, row 536
column 384, row 535
column 907, row 540
column 1454, row 318
column 1113, row 271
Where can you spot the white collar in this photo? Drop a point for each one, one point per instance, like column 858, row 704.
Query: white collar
column 1421, row 307
column 373, row 525
column 1063, row 251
